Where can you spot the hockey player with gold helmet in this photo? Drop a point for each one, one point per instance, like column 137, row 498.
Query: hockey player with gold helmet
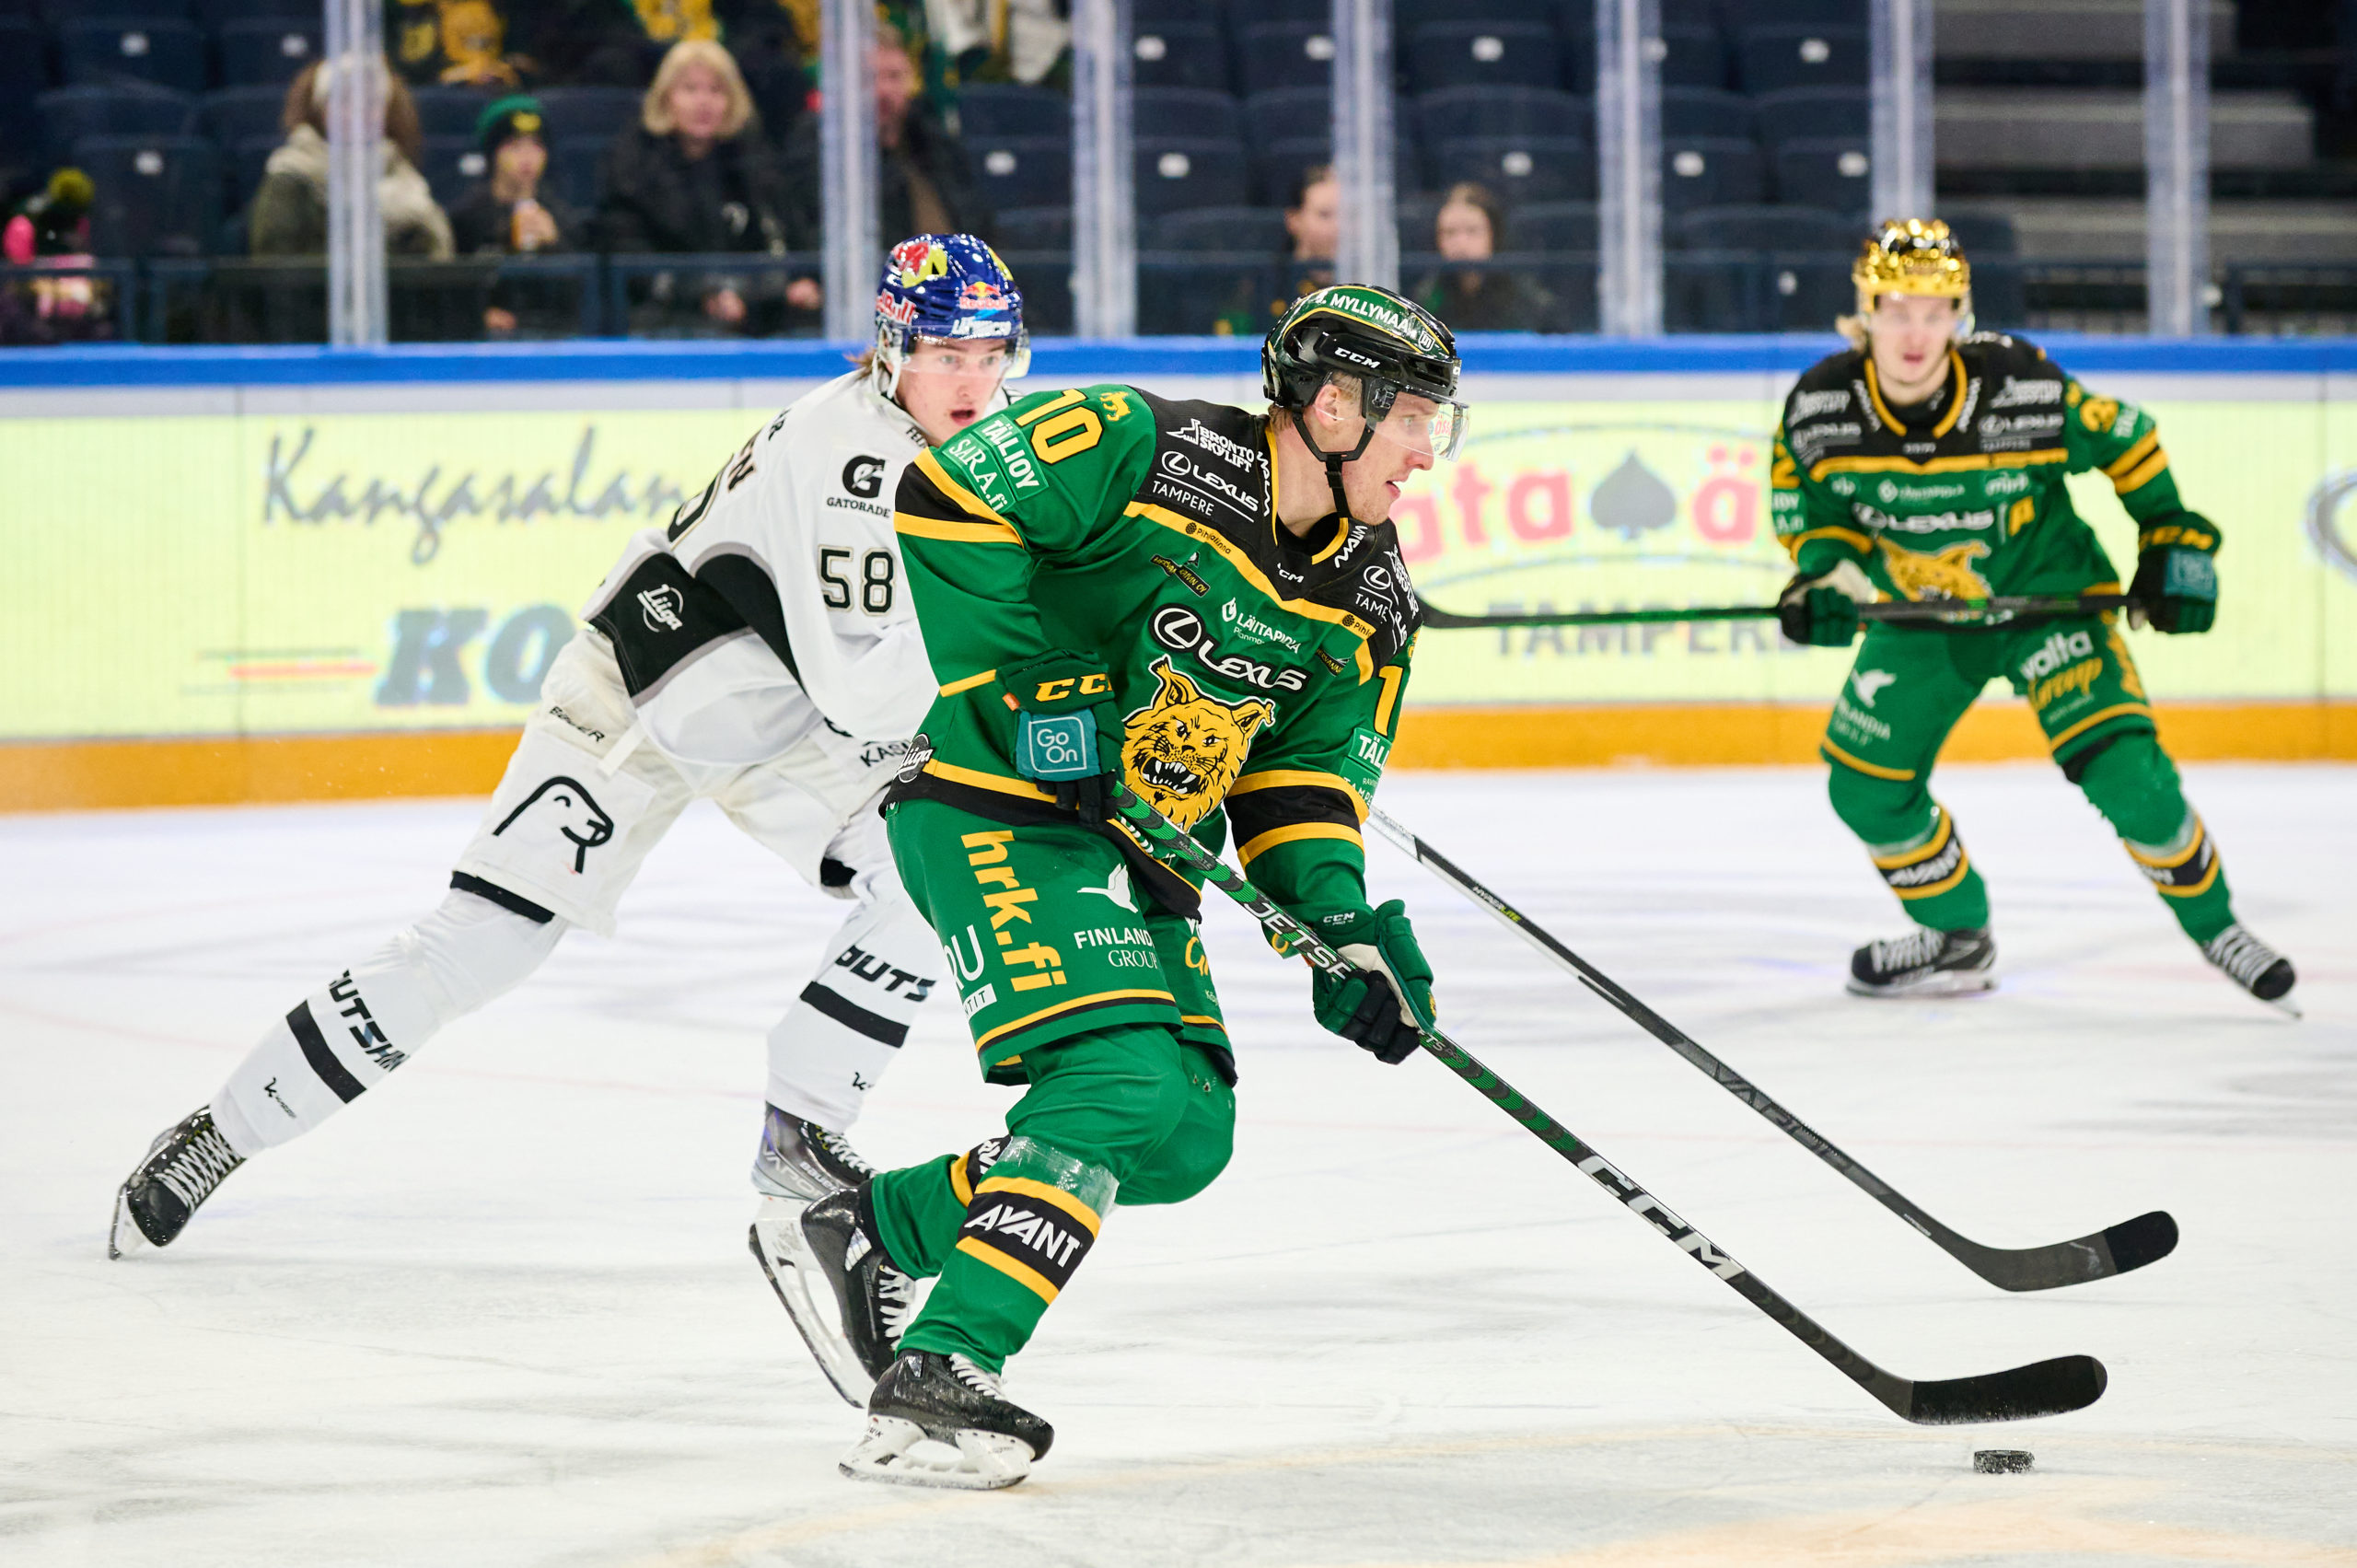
column 1927, row 463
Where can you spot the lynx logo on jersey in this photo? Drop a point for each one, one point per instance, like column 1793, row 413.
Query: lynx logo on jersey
column 1184, row 749
column 1942, row 574
column 578, row 814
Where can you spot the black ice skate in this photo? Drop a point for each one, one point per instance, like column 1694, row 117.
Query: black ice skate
column 940, row 1420
column 802, row 1159
column 1926, row 963
column 2253, row 965
column 182, row 1168
column 843, row 1293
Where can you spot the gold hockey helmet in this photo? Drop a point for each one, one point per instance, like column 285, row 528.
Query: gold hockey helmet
column 1911, row 256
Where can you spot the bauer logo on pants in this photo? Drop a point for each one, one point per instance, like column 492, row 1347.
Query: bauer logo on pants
column 577, row 815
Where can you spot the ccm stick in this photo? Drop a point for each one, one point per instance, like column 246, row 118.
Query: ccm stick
column 2046, row 1388
column 2147, row 1238
column 1905, row 611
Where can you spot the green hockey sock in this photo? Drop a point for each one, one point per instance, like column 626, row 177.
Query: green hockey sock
column 918, row 1210
column 1915, row 847
column 1031, row 1222
column 2135, row 785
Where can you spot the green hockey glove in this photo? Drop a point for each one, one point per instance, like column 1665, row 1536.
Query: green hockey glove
column 1822, row 611
column 1382, row 1007
column 2176, row 589
column 1066, row 734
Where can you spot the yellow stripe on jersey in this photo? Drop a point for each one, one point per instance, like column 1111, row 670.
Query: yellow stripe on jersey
column 1261, row 843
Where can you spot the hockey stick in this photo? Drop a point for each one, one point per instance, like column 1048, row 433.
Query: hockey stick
column 2132, row 1244
column 2040, row 606
column 2045, row 1388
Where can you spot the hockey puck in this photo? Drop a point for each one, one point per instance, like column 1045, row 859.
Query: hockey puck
column 2001, row 1461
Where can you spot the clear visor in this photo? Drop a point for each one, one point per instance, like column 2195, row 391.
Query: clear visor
column 1435, row 426
column 1006, row 358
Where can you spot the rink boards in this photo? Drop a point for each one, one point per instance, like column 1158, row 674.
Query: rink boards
column 287, row 574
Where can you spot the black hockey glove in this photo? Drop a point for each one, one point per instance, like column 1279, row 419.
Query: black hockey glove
column 1066, row 734
column 1822, row 611
column 1385, row 1004
column 2175, row 587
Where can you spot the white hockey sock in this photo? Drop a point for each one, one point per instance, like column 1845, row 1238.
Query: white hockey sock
column 835, row 1042
column 342, row 1039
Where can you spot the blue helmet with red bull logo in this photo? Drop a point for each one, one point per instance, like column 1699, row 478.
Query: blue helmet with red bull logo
column 949, row 288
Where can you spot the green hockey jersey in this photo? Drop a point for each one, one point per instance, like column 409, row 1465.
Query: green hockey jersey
column 1258, row 676
column 1964, row 497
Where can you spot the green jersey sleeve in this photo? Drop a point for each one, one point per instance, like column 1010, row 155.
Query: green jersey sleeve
column 2124, row 441
column 1296, row 811
column 1812, row 524
column 1032, row 484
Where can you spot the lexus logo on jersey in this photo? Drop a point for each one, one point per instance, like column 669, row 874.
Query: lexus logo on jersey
column 578, row 816
column 1177, row 628
column 864, row 477
column 660, row 606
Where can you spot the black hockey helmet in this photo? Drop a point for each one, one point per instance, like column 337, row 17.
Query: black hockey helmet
column 1389, row 343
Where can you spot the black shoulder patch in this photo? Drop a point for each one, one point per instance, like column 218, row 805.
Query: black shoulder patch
column 659, row 616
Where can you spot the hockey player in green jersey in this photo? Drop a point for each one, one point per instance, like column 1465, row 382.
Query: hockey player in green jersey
column 1927, row 463
column 1210, row 605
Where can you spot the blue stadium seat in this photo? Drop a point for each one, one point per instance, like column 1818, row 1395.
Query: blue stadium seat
column 1409, row 14
column 451, row 165
column 1242, row 14
column 1999, row 296
column 1776, row 59
column 1283, row 54
column 1174, row 173
column 1022, row 171
column 256, row 53
column 160, row 50
column 1983, row 234
column 1706, row 112
column 586, row 111
column 61, row 12
column 1178, row 53
column 1276, row 164
column 157, row 196
column 1799, row 112
column 1790, row 271
column 1678, row 14
column 1737, row 15
column 1143, row 13
column 1464, row 54
column 1696, row 57
column 1222, row 228
column 1004, row 109
column 231, row 114
column 68, row 114
column 215, row 15
column 24, row 75
column 249, row 160
column 1186, row 112
column 1519, row 169
column 1412, row 216
column 1034, row 229
column 577, row 171
column 448, row 111
column 1710, row 171
column 1554, row 227
column 1289, row 114
column 1502, row 111
column 1833, row 172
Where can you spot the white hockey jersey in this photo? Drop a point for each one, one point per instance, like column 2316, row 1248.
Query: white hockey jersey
column 773, row 601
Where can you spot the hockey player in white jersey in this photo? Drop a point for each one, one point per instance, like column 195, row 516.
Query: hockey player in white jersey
column 760, row 652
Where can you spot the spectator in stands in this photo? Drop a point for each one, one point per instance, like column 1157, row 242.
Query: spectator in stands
column 52, row 231
column 452, row 43
column 925, row 185
column 1313, row 223
column 289, row 215
column 508, row 214
column 1469, row 227
column 696, row 176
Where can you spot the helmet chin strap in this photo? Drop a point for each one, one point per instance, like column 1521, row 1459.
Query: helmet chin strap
column 1334, row 460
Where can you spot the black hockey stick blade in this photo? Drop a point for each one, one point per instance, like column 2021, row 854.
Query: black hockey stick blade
column 2130, row 1245
column 2058, row 1387
column 2048, row 1387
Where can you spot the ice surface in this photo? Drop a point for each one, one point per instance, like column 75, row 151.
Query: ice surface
column 500, row 1311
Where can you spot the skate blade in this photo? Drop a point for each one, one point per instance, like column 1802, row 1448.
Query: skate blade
column 1955, row 982
column 899, row 1453
column 784, row 1253
column 123, row 1236
column 2284, row 1004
